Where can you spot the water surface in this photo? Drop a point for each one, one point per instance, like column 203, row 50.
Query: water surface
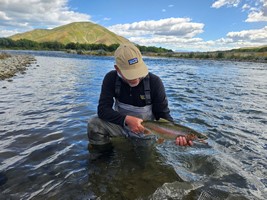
column 43, row 142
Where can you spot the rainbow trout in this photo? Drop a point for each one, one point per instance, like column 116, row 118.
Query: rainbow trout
column 169, row 130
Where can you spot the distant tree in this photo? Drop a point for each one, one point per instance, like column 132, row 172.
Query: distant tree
column 113, row 47
column 206, row 56
column 263, row 49
column 71, row 45
column 84, row 47
column 52, row 45
column 26, row 44
column 153, row 49
column 220, row 55
column 191, row 55
column 6, row 42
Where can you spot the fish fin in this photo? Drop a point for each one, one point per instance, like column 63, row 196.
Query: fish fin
column 160, row 140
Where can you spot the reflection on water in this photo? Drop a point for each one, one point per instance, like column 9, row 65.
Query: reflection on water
column 43, row 119
column 129, row 171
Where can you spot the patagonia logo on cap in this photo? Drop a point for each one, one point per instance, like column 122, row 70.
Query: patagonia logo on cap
column 133, row 61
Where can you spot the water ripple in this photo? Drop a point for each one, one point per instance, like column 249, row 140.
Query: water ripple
column 43, row 119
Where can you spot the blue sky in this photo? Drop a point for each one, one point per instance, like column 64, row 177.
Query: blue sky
column 180, row 25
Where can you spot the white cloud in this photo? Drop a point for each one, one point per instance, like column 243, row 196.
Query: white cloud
column 258, row 13
column 257, row 9
column 6, row 33
column 233, row 40
column 172, row 33
column 181, row 34
column 3, row 16
column 170, row 42
column 23, row 15
column 179, row 27
column 256, row 36
column 246, row 7
column 221, row 3
column 256, row 17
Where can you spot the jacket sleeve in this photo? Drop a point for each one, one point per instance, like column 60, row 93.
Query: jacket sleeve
column 160, row 106
column 105, row 109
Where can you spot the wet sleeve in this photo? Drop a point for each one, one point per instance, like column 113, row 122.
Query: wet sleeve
column 105, row 109
column 160, row 106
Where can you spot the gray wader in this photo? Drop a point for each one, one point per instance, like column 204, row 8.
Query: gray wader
column 99, row 131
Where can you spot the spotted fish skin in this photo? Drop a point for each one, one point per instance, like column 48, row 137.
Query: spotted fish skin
column 169, row 130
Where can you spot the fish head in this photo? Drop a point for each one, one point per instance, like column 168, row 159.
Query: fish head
column 199, row 137
column 191, row 136
column 202, row 137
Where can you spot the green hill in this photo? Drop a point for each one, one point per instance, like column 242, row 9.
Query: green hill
column 77, row 32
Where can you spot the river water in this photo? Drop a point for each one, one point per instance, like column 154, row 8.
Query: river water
column 43, row 141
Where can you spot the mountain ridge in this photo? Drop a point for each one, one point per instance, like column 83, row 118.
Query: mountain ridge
column 76, row 32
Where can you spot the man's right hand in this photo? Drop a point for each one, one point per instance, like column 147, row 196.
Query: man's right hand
column 181, row 140
column 134, row 124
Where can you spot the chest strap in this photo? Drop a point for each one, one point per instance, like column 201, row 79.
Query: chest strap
column 117, row 87
column 146, row 88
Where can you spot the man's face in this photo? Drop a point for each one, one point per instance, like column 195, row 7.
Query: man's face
column 132, row 83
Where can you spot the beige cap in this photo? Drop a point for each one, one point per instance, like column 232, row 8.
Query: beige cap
column 129, row 61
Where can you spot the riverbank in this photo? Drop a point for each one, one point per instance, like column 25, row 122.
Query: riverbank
column 259, row 57
column 10, row 64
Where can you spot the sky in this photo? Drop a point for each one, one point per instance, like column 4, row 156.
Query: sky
column 180, row 25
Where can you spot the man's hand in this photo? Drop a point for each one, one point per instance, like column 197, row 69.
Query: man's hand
column 134, row 124
column 183, row 142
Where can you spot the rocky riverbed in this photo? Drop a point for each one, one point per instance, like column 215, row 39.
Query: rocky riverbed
column 10, row 64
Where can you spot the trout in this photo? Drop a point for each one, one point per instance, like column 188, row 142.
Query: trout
column 169, row 130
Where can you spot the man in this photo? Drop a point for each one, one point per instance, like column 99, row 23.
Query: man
column 129, row 95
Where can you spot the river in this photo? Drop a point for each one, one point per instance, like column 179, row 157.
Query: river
column 43, row 141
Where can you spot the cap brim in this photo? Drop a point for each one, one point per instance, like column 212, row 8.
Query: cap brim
column 135, row 73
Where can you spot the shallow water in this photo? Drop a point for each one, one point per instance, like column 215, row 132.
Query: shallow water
column 43, row 142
